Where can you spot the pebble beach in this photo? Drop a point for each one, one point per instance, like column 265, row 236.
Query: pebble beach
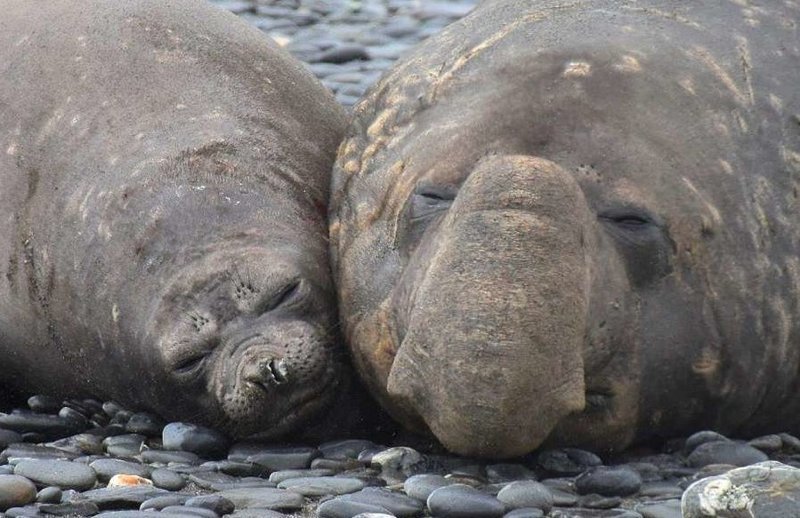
column 61, row 457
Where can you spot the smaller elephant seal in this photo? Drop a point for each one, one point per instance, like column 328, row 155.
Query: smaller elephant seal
column 577, row 223
column 163, row 242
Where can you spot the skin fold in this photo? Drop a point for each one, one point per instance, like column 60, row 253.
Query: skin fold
column 576, row 224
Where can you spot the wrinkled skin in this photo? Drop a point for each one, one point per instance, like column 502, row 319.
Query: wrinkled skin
column 577, row 225
column 165, row 174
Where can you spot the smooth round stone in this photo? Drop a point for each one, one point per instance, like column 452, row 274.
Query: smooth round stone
column 334, row 465
column 49, row 495
column 122, row 497
column 277, row 459
column 609, row 481
column 698, row 438
column 111, row 408
column 663, row 509
column 238, row 469
column 107, row 468
column 256, row 513
column 277, row 477
column 790, row 442
column 496, row 473
column 526, row 512
column 196, row 439
column 342, row 54
column 397, row 504
column 46, row 425
column 264, row 498
column 765, row 489
column 582, row 512
column 767, row 443
column 44, row 404
column 126, row 438
column 124, row 449
column 63, row 474
column 160, row 502
column 527, row 493
column 216, row 503
column 167, row 479
column 322, row 486
column 73, row 415
column 421, row 486
column 567, row 461
column 462, row 501
column 188, row 512
column 563, row 498
column 145, row 424
column 725, row 452
column 15, row 491
column 9, row 437
column 70, row 508
column 130, row 514
column 347, row 449
column 165, row 456
column 221, row 482
column 660, row 489
column 595, row 501
column 340, row 508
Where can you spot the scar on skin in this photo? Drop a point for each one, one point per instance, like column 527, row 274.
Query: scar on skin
column 688, row 85
column 704, row 56
column 628, row 64
column 711, row 208
column 776, row 102
column 577, row 69
column 726, row 166
column 12, row 149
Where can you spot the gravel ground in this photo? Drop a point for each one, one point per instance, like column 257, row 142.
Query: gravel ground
column 83, row 458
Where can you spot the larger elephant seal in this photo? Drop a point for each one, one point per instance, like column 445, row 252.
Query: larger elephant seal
column 164, row 172
column 577, row 223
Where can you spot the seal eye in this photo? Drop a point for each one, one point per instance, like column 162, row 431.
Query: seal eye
column 428, row 201
column 627, row 220
column 191, row 365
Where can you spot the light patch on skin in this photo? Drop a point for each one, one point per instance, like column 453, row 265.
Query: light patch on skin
column 726, row 166
column 75, row 120
column 21, row 40
column 78, row 59
column 688, row 85
column 84, row 205
column 710, row 206
column 776, row 102
column 180, row 106
column 115, row 313
column 628, row 64
column 12, row 149
column 702, row 55
column 791, row 158
column 281, row 40
column 104, row 230
column 577, row 69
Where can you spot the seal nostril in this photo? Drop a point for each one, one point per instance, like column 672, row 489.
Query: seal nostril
column 277, row 370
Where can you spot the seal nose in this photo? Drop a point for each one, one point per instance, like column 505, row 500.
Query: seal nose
column 269, row 372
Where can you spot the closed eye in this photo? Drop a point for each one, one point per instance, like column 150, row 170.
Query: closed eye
column 627, row 220
column 429, row 201
column 191, row 366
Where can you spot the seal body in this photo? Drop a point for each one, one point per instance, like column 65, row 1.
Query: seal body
column 577, row 224
column 165, row 173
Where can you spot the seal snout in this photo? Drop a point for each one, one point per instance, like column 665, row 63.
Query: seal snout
column 268, row 372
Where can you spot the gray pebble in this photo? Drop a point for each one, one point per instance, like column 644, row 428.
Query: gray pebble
column 107, row 468
column 165, row 457
column 595, row 501
column 609, row 481
column 264, row 498
column 66, row 475
column 698, row 438
column 281, row 458
column 322, row 486
column 526, row 494
column 121, row 497
column 49, row 495
column 525, row 512
column 189, row 512
column 79, row 508
column 216, row 503
column 145, row 424
column 567, row 461
column 347, row 449
column 44, row 404
column 508, row 473
column 342, row 54
column 167, row 479
column 193, row 438
column 725, row 452
column 767, row 443
column 8, row 437
column 664, row 509
column 462, row 501
column 340, row 508
column 397, row 504
column 421, row 486
column 48, row 426
column 15, row 491
column 159, row 502
column 279, row 476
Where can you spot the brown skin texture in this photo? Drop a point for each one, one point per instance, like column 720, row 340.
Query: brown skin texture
column 577, row 225
column 165, row 175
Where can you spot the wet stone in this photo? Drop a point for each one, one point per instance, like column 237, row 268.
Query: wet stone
column 279, row 476
column 396, row 503
column 595, row 501
column 124, row 449
column 15, row 491
column 49, row 495
column 122, row 497
column 216, row 503
column 321, row 486
column 131, row 514
column 167, row 456
column 609, row 481
column 167, row 479
column 189, row 512
column 9, row 437
column 725, row 452
column 70, row 414
column 34, row 451
column 342, row 54
column 527, row 512
column 264, row 498
column 462, row 501
column 340, row 508
column 582, row 512
column 48, row 426
column 238, row 469
column 159, row 502
column 44, row 404
column 567, row 461
column 107, row 468
column 660, row 489
column 526, row 494
column 70, row 508
column 421, row 486
column 145, row 424
column 63, row 474
column 696, row 439
column 256, row 513
column 196, row 439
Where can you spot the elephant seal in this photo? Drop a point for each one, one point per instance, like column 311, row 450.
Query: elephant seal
column 577, row 224
column 165, row 170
